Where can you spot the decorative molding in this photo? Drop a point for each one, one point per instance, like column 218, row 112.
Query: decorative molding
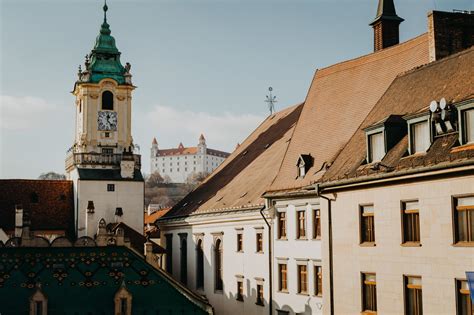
column 239, row 228
column 239, row 276
column 258, row 227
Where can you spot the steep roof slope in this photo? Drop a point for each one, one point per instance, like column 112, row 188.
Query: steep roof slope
column 241, row 179
column 339, row 99
column 412, row 92
column 50, row 204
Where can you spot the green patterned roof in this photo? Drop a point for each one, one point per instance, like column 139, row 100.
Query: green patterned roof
column 79, row 280
column 105, row 57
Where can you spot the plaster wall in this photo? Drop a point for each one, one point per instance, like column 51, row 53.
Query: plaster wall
column 249, row 264
column 294, row 252
column 437, row 260
column 128, row 195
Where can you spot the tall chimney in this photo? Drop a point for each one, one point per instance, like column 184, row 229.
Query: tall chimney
column 386, row 25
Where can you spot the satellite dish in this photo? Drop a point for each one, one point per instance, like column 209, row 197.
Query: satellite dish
column 433, row 106
column 442, row 103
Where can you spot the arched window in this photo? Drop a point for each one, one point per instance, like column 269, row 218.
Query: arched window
column 107, row 100
column 199, row 265
column 184, row 261
column 218, row 265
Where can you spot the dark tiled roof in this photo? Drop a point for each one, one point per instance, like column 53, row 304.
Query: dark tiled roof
column 84, row 280
column 410, row 93
column 137, row 240
column 338, row 101
column 240, row 181
column 107, row 174
column 49, row 202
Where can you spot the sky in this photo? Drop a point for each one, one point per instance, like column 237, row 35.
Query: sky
column 200, row 66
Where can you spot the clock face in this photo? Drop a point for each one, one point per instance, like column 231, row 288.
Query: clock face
column 107, row 121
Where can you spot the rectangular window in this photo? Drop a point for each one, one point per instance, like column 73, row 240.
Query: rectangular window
column 410, row 222
column 464, row 220
column 110, row 187
column 240, row 290
column 259, row 294
column 240, row 242
column 420, row 137
column 39, row 308
column 302, row 279
column 123, row 306
column 317, row 224
column 413, row 296
column 376, row 147
column 169, row 253
column 468, row 123
column 369, row 293
column 282, row 225
column 283, row 278
column 464, row 305
column 318, row 280
column 301, row 228
column 367, row 229
column 259, row 242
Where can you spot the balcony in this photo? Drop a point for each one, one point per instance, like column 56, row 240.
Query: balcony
column 98, row 159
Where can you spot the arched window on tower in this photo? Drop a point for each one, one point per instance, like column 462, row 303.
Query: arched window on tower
column 107, row 100
column 199, row 265
column 184, row 259
column 218, row 265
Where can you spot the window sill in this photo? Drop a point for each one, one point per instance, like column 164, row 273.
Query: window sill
column 368, row 312
column 411, row 244
column 284, row 291
column 259, row 303
column 239, row 251
column 282, row 239
column 463, row 244
column 317, row 238
column 259, row 252
column 301, row 239
column 318, row 295
column 368, row 244
column 302, row 294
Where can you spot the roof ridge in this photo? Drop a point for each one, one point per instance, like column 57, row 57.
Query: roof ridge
column 377, row 53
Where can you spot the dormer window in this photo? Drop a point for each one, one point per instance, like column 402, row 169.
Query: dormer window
column 419, row 132
column 383, row 136
column 305, row 162
column 376, row 147
column 466, row 113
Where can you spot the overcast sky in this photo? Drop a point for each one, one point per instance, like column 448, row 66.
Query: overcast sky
column 201, row 66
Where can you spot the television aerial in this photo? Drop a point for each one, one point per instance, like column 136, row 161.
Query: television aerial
column 271, row 100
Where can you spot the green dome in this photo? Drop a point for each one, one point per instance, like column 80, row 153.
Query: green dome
column 105, row 57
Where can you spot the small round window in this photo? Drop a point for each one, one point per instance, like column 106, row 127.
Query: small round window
column 107, row 100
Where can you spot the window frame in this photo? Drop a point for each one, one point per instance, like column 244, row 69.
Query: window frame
column 300, row 236
column 455, row 228
column 317, row 223
column 110, row 187
column 259, row 242
column 462, row 108
column 199, row 264
column 368, row 136
column 102, row 100
column 410, row 124
column 363, row 292
column 260, row 294
column 240, row 241
column 318, row 280
column 302, row 277
column 459, row 293
column 406, row 292
column 282, row 288
column 282, row 228
column 240, row 290
column 218, row 266
column 403, row 213
column 362, row 224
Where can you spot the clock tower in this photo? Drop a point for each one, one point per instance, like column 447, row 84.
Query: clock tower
column 103, row 162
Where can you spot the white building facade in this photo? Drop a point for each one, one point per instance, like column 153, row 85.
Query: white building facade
column 181, row 162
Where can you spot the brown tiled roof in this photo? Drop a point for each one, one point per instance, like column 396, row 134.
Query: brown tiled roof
column 137, row 240
column 339, row 99
column 451, row 78
column 240, row 181
column 53, row 211
column 150, row 219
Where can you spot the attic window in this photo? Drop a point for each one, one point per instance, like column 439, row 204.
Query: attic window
column 419, row 137
column 305, row 162
column 376, row 147
column 467, row 121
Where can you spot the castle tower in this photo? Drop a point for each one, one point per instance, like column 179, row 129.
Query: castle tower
column 102, row 162
column 202, row 144
column 386, row 25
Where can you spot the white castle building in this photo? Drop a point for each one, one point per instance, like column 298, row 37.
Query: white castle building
column 178, row 163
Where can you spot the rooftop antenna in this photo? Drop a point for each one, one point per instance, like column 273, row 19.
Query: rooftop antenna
column 271, row 100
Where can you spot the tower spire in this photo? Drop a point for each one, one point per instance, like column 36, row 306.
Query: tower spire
column 105, row 7
column 386, row 25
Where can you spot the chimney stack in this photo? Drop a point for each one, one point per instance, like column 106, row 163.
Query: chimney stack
column 386, row 25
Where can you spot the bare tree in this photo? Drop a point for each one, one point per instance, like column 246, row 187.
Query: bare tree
column 52, row 176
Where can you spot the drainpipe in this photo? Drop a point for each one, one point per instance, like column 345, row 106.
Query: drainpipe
column 270, row 286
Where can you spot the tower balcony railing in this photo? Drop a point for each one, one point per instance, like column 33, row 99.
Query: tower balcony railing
column 96, row 159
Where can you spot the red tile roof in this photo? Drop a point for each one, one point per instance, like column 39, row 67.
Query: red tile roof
column 53, row 211
column 339, row 99
column 150, row 219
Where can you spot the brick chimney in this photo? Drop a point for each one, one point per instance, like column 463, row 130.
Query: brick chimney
column 386, row 25
column 449, row 32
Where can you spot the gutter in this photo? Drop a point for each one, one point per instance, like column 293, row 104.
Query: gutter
column 270, row 276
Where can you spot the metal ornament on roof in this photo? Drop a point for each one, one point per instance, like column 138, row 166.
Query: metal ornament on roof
column 271, row 100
